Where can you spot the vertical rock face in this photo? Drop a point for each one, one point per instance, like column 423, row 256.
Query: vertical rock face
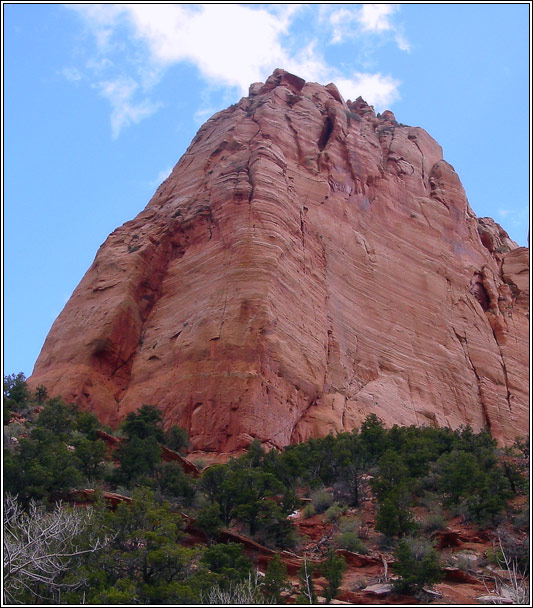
column 306, row 263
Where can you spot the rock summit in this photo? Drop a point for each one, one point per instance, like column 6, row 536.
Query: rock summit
column 307, row 262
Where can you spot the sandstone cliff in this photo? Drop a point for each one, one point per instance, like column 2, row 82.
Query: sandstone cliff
column 306, row 262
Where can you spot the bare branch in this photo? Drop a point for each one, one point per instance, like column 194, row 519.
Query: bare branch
column 40, row 547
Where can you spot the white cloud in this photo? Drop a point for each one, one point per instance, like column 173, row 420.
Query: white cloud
column 72, row 74
column 160, row 177
column 376, row 89
column 231, row 45
column 402, row 42
column 340, row 21
column 99, row 65
column 237, row 54
column 124, row 111
column 375, row 17
column 370, row 18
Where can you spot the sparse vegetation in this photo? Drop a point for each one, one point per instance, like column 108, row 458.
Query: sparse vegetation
column 415, row 479
column 321, row 500
column 351, row 542
column 333, row 513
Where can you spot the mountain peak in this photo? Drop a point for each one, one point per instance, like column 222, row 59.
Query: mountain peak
column 306, row 263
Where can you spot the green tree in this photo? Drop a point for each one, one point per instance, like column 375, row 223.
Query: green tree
column 458, row 474
column 417, row 564
column 209, row 521
column 176, row 439
column 255, row 455
column 392, row 473
column 137, row 457
column 42, row 468
column 171, row 481
column 387, row 519
column 489, row 498
column 146, row 549
column 351, row 461
column 91, row 456
column 41, row 394
column 146, row 422
column 394, row 517
column 88, row 424
column 214, row 484
column 58, row 417
column 474, row 479
column 374, row 438
column 275, row 581
column 332, row 569
column 514, row 474
column 16, row 391
column 250, row 487
column 229, row 561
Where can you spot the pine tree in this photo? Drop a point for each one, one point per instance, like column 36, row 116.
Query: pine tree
column 275, row 579
column 333, row 569
column 417, row 564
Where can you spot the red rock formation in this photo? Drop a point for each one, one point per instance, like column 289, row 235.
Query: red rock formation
column 307, row 262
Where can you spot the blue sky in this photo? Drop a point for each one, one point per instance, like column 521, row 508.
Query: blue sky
column 101, row 100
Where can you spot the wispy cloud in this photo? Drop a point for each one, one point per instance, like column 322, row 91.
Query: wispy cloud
column 160, row 177
column 516, row 217
column 124, row 110
column 373, row 19
column 252, row 42
column 71, row 74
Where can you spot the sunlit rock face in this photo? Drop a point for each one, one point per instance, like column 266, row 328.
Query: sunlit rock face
column 306, row 263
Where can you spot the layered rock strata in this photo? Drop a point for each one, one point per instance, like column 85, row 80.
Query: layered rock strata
column 306, row 262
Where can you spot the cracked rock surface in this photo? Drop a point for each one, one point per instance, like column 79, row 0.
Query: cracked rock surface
column 306, row 263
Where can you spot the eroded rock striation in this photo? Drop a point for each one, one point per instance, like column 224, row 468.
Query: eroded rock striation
column 306, row 262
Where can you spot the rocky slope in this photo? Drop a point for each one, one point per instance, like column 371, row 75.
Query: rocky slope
column 306, row 262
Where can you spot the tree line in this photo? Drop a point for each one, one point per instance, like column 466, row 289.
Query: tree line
column 137, row 553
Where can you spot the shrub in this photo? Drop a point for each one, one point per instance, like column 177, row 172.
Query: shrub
column 351, row 542
column 521, row 520
column 466, row 562
column 348, row 525
column 512, row 549
column 433, row 522
column 275, row 581
column 245, row 593
column 228, row 560
column 417, row 564
column 334, row 512
column 332, row 569
column 16, row 391
column 308, row 511
column 321, row 500
column 176, row 439
column 146, row 422
column 137, row 457
column 394, row 517
column 208, row 520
